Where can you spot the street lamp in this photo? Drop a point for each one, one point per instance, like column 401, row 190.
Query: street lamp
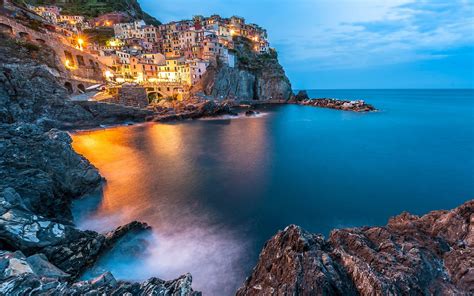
column 80, row 41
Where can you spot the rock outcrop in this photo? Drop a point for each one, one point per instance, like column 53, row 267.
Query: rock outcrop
column 43, row 169
column 254, row 77
column 412, row 255
column 191, row 109
column 356, row 106
column 34, row 275
column 301, row 96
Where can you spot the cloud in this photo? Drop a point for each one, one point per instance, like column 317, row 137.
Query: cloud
column 398, row 32
column 320, row 36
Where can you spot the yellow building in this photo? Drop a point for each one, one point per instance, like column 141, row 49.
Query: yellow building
column 175, row 71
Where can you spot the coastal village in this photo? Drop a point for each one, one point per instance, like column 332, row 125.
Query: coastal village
column 182, row 69
column 167, row 60
column 60, row 75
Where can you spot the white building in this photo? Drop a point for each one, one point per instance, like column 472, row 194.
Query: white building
column 157, row 58
column 129, row 30
column 197, row 68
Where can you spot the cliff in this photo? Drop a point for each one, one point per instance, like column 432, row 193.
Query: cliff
column 254, row 77
column 94, row 8
column 428, row 255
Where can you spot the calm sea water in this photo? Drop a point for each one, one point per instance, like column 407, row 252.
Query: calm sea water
column 216, row 190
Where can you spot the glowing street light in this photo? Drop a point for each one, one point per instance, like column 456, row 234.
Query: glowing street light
column 80, row 41
column 108, row 75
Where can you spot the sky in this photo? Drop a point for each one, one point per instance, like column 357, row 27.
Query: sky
column 347, row 44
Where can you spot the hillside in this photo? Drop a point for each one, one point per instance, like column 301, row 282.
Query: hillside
column 94, row 8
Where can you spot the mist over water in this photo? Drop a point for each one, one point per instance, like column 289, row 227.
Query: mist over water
column 215, row 190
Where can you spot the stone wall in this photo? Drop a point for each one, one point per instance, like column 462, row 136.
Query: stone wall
column 134, row 96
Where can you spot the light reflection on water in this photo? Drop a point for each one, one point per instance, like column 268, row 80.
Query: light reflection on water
column 216, row 190
column 157, row 173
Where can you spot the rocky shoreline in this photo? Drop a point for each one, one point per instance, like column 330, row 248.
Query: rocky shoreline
column 428, row 255
column 302, row 98
column 345, row 105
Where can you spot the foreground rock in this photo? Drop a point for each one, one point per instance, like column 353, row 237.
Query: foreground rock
column 34, row 275
column 432, row 254
column 43, row 169
column 356, row 106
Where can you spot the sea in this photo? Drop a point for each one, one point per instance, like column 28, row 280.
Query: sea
column 216, row 190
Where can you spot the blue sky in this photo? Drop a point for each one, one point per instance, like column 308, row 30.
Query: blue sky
column 355, row 43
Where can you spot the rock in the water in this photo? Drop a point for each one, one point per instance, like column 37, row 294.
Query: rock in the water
column 251, row 113
column 412, row 255
column 356, row 106
column 301, row 95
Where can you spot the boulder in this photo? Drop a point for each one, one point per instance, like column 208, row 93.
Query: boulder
column 301, row 95
column 41, row 267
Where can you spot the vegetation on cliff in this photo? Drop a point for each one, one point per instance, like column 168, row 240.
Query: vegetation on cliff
column 94, row 8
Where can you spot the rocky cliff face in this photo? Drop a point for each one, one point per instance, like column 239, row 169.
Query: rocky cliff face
column 255, row 77
column 429, row 255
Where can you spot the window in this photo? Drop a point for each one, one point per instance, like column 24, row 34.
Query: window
column 80, row 60
column 69, row 58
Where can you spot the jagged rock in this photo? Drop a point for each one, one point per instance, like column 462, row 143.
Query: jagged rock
column 41, row 267
column 197, row 110
column 23, row 276
column 69, row 249
column 43, row 169
column 296, row 261
column 13, row 264
column 412, row 255
column 357, row 106
column 301, row 96
column 81, row 249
